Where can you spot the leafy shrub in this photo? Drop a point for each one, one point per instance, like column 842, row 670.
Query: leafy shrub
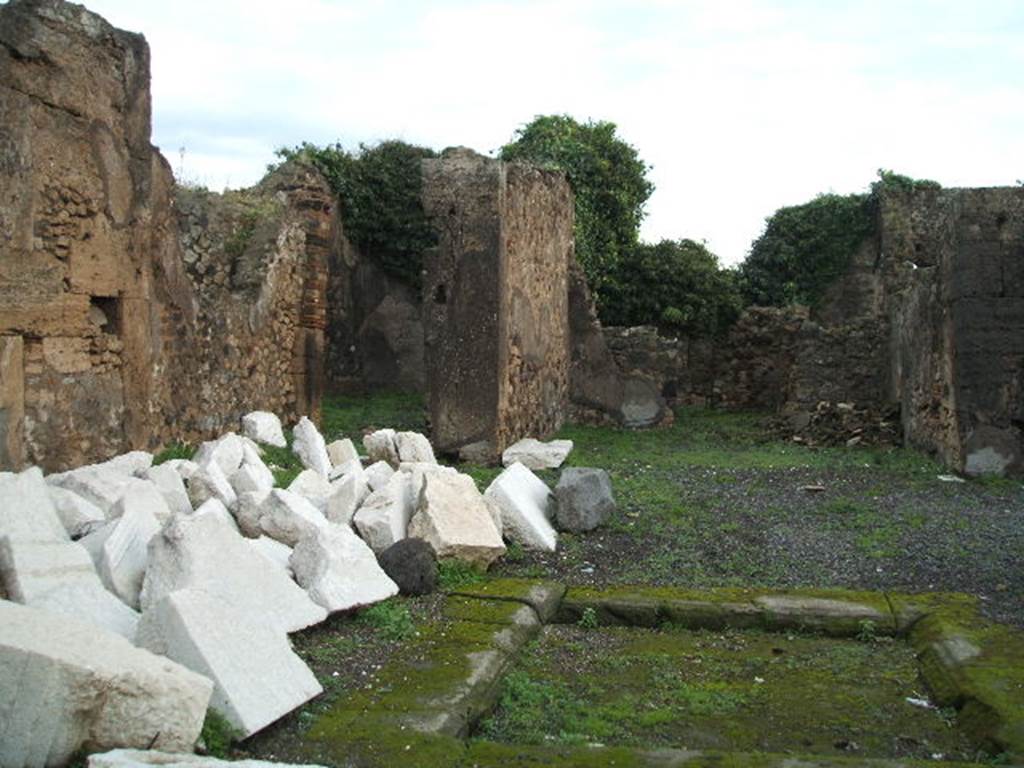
column 379, row 189
column 608, row 178
column 675, row 285
column 806, row 247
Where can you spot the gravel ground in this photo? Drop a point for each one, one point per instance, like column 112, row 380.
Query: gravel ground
column 758, row 527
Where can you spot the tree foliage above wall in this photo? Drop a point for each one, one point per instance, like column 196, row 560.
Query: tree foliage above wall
column 379, row 188
column 675, row 285
column 804, row 248
column 607, row 177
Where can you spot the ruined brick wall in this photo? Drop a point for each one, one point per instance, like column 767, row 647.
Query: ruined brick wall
column 109, row 338
column 495, row 300
column 956, row 263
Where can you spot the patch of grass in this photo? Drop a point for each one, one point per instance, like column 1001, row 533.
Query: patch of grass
column 391, row 618
column 455, row 574
column 588, row 619
column 218, row 734
column 284, row 464
column 174, row 451
column 350, row 415
column 327, row 649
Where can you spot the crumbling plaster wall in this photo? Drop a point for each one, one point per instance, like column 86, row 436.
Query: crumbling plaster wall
column 110, row 338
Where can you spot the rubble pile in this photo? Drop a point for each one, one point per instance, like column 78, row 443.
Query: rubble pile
column 180, row 582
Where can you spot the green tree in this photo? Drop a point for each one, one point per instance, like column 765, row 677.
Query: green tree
column 608, row 179
column 379, row 188
column 804, row 248
column 678, row 286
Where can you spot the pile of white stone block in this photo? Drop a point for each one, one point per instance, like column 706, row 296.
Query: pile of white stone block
column 177, row 585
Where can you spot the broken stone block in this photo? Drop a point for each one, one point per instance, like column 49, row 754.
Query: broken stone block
column 171, row 486
column 309, row 446
column 384, row 517
column 78, row 515
column 523, row 499
column 184, row 467
column 60, row 578
column 257, row 678
column 583, row 499
column 414, row 447
column 226, row 451
column 210, row 482
column 452, row 517
column 339, row 571
column 341, row 452
column 134, row 758
column 26, row 511
column 133, row 463
column 100, row 485
column 68, row 684
column 201, row 553
column 313, row 487
column 418, row 470
column 264, row 427
column 120, row 548
column 274, row 551
column 252, row 458
column 248, row 479
column 286, row 517
column 215, row 509
column 347, row 495
column 247, row 513
column 380, row 446
column 29, row 569
column 378, row 475
column 412, row 565
column 142, row 493
column 533, row 454
column 354, row 466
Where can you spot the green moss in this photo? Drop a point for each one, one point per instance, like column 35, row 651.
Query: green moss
column 744, row 691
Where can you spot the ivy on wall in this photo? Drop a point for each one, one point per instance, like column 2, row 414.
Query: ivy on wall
column 379, row 188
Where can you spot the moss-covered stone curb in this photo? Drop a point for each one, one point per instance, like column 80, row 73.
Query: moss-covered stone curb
column 425, row 702
column 838, row 613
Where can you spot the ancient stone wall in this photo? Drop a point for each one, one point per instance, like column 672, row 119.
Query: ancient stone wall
column 121, row 324
column 496, row 301
column 956, row 296
column 374, row 332
column 771, row 359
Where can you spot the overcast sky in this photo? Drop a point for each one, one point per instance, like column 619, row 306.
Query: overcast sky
column 740, row 106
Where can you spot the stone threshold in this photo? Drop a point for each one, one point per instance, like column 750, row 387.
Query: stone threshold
column 426, row 703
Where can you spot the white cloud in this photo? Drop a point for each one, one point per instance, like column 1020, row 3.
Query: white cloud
column 740, row 106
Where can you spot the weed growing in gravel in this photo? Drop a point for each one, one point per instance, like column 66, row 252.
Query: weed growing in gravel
column 588, row 619
column 218, row 734
column 391, row 618
column 283, row 463
column 454, row 574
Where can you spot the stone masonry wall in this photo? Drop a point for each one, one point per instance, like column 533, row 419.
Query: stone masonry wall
column 537, row 236
column 110, row 338
column 956, row 294
column 495, row 301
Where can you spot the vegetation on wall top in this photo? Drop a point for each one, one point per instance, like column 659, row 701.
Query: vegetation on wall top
column 608, row 179
column 677, row 285
column 805, row 248
column 379, row 188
